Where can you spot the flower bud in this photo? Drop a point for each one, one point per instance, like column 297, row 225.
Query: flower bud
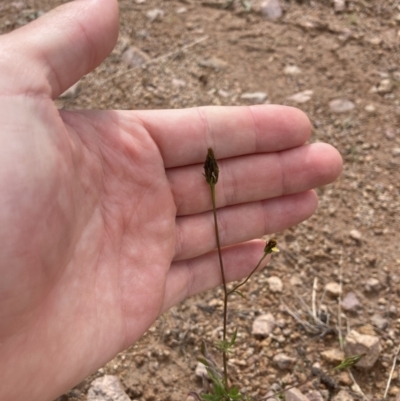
column 211, row 169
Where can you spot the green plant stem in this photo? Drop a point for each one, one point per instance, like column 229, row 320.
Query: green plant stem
column 248, row 277
column 224, row 354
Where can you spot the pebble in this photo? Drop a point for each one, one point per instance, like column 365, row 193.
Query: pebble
column 385, row 86
column 379, row 321
column 301, row 97
column 275, row 284
column 254, row 97
column 376, row 41
column 389, row 133
column 355, row 234
column 333, row 289
column 223, row 93
column 263, row 325
column 295, row 280
column 201, row 370
column 396, row 152
column 339, row 5
column 134, row 57
column 314, row 395
column 283, row 361
column 370, row 108
column 344, row 378
column 178, row 83
column 107, row 388
column 341, row 105
column 213, row 62
column 350, row 302
column 342, row 395
column 292, row 70
column 333, row 356
column 357, row 344
column 294, row 394
column 155, row 14
column 372, row 284
column 271, row 9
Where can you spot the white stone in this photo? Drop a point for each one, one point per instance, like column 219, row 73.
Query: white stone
column 332, row 289
column 355, row 234
column 379, row 321
column 357, row 344
column 272, row 9
column 134, row 57
column 396, row 152
column 301, row 97
column 275, row 284
column 294, row 394
column 213, row 62
column 295, row 280
column 339, row 5
column 385, row 86
column 341, row 105
column 263, row 325
column 201, row 370
column 254, row 97
column 155, row 14
column 107, row 388
column 333, row 355
column 178, row 83
column 370, row 108
column 292, row 70
column 372, row 284
column 283, row 361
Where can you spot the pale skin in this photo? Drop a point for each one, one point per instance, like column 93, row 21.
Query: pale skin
column 105, row 217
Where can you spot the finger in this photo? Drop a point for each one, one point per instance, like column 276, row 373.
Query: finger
column 237, row 224
column 256, row 177
column 192, row 276
column 183, row 136
column 53, row 52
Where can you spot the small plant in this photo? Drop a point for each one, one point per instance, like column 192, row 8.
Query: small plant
column 221, row 389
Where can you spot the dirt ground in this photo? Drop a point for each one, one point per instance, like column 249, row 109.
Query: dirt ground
column 184, row 53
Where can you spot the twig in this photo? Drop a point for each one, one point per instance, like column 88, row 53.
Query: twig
column 391, row 373
column 314, row 294
column 157, row 59
column 357, row 387
column 340, row 304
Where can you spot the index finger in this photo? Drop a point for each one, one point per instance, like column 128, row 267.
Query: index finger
column 183, row 136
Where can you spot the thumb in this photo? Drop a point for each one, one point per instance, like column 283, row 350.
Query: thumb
column 53, row 52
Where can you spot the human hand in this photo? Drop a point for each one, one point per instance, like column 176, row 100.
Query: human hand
column 105, row 217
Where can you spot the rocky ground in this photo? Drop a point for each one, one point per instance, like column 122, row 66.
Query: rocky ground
column 339, row 62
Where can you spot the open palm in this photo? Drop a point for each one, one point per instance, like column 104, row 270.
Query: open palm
column 105, row 217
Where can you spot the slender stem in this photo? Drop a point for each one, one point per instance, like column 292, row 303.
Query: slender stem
column 224, row 354
column 248, row 277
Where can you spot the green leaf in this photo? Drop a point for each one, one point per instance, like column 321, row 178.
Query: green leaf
column 204, row 361
column 233, row 340
column 234, row 394
column 215, row 379
column 349, row 362
column 238, row 293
